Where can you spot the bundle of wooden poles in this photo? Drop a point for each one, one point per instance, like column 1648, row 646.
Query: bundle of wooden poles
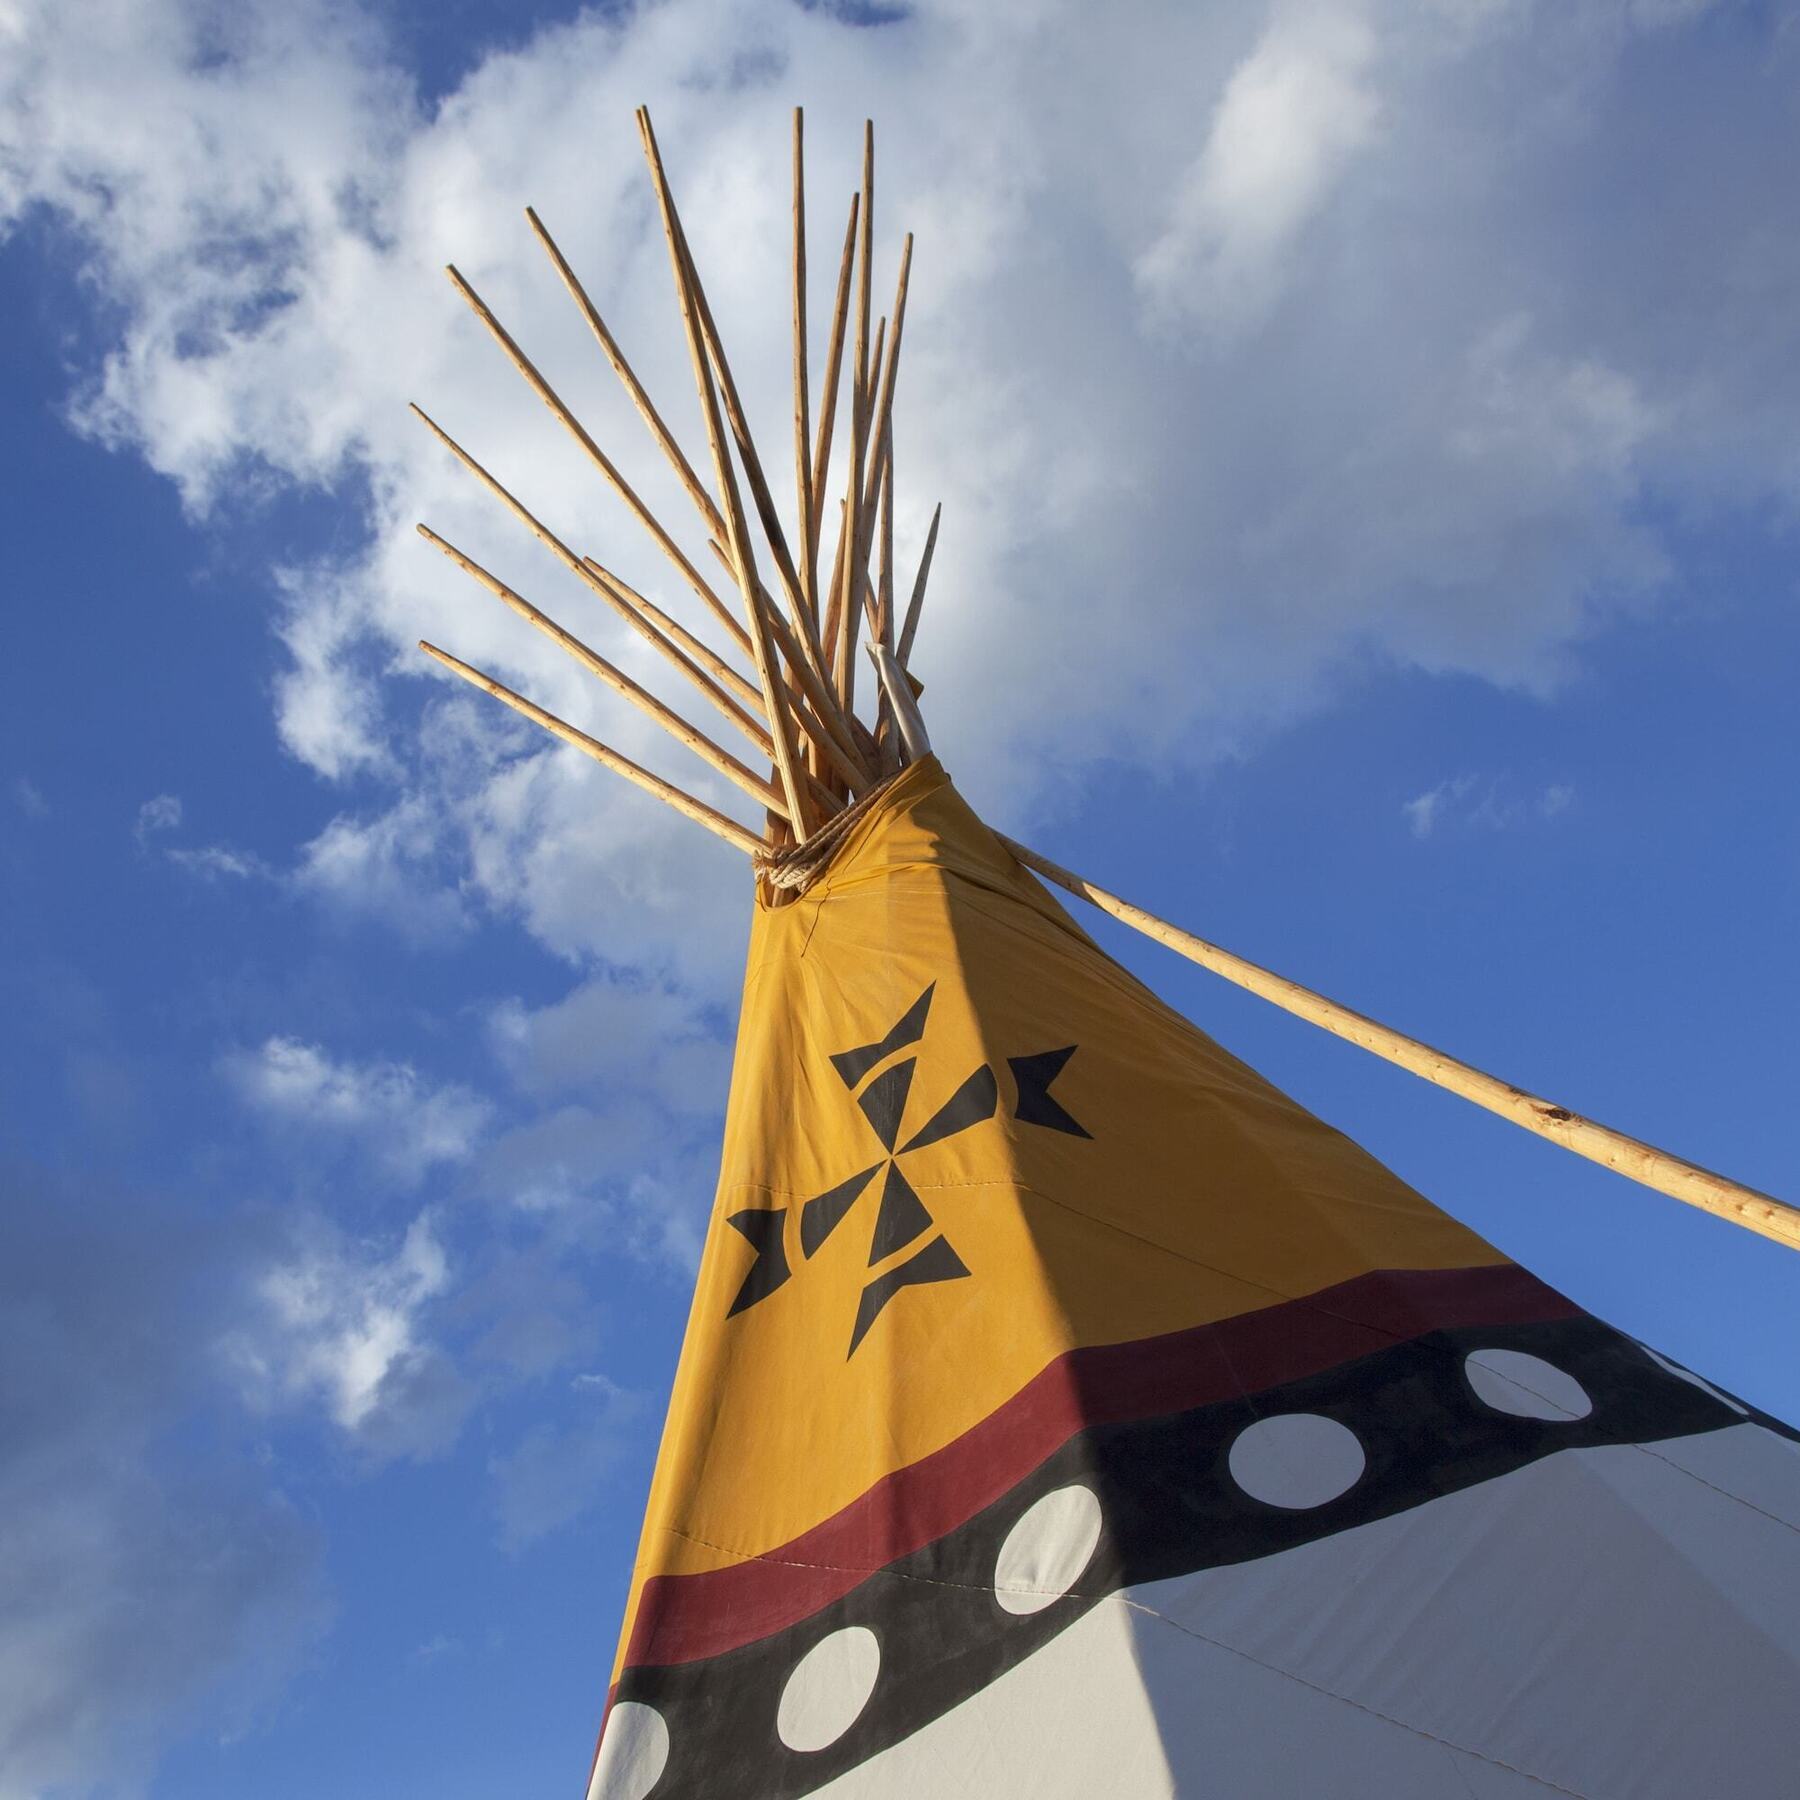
column 799, row 713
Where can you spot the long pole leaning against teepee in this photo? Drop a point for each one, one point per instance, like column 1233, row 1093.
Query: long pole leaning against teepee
column 1659, row 1169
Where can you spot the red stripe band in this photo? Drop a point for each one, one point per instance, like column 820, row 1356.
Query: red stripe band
column 683, row 1618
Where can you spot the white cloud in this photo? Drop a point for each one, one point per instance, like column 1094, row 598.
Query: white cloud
column 1472, row 803
column 1291, row 117
column 212, row 862
column 406, row 1124
column 342, row 1325
column 1398, row 394
column 163, row 813
column 386, row 865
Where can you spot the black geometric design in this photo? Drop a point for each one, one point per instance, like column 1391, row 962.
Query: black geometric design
column 974, row 1101
column 762, row 1227
column 901, row 1219
column 1170, row 1507
column 936, row 1262
column 884, row 1101
column 1034, row 1074
column 820, row 1216
column 853, row 1065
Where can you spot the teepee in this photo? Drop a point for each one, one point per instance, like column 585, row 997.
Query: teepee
column 1063, row 1410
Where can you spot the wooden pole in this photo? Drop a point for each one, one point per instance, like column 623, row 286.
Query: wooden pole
column 615, row 678
column 885, row 559
column 647, row 411
column 790, row 647
column 835, row 612
column 834, row 359
column 701, row 651
column 884, row 408
column 898, row 689
column 845, row 670
column 866, row 267
column 595, row 577
column 1668, row 1174
column 798, row 644
column 598, row 457
column 716, row 822
column 805, row 630
column 825, row 735
column 916, row 604
column 787, row 762
column 809, row 573
column 882, row 634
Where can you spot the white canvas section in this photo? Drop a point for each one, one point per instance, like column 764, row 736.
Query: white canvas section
column 1074, row 1719
column 1613, row 1624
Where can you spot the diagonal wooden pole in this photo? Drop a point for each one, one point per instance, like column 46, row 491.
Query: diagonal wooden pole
column 803, row 481
column 787, row 761
column 881, row 634
column 844, row 671
column 884, row 404
column 854, row 564
column 701, row 651
column 797, row 643
column 597, row 456
column 789, row 645
column 917, row 603
column 615, row 678
column 595, row 577
column 805, row 631
column 716, row 822
column 1669, row 1174
column 834, row 362
column 635, row 389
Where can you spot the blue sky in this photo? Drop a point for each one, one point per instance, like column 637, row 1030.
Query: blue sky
column 1369, row 532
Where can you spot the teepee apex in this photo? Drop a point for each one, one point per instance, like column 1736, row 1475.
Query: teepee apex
column 1064, row 1410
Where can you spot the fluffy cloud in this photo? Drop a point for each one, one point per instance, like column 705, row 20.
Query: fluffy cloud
column 1316, row 334
column 1292, row 116
column 341, row 1324
column 407, row 1124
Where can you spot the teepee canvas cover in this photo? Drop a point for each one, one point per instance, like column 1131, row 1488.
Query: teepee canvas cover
column 1064, row 1411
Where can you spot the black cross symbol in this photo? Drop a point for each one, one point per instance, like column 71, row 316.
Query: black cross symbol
column 903, row 1217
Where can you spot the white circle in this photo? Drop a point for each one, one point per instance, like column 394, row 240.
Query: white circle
column 634, row 1750
column 1046, row 1551
column 1296, row 1460
column 1526, row 1386
column 829, row 1687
